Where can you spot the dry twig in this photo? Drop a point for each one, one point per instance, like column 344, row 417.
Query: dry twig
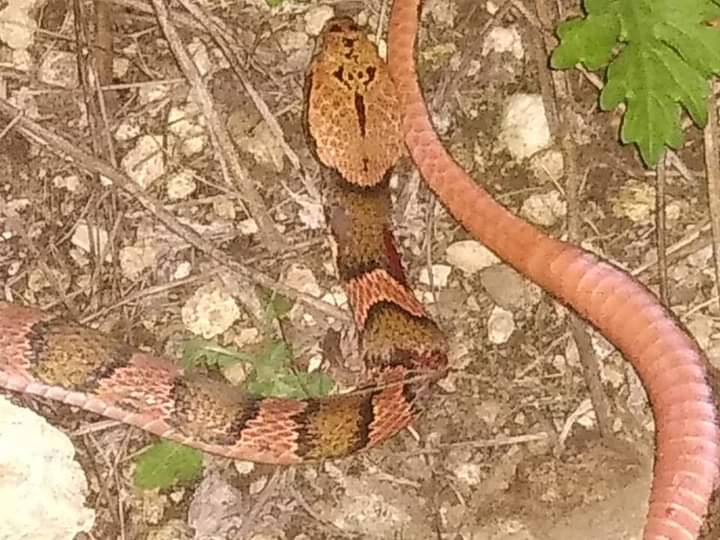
column 36, row 133
column 661, row 233
column 231, row 166
column 712, row 167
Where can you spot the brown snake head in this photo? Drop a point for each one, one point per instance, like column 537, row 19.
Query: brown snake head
column 352, row 112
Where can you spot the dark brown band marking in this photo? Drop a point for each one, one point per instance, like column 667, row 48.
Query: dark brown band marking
column 74, row 356
column 334, row 427
column 222, row 416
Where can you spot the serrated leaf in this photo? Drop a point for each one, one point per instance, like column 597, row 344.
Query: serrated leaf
column 701, row 50
column 652, row 117
column 666, row 54
column 587, row 41
column 166, row 464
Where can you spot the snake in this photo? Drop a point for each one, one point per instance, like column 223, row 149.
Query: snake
column 360, row 114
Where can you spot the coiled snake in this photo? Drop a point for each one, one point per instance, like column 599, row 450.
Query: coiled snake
column 357, row 113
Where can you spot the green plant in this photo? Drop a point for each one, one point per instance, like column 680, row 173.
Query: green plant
column 659, row 56
column 270, row 372
column 166, row 464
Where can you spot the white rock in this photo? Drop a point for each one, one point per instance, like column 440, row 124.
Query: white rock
column 154, row 95
column 181, row 185
column 610, row 373
column 247, row 227
column 292, row 40
column 501, row 40
column 17, row 26
column 469, row 473
column 25, row 101
column 559, row 363
column 128, row 129
column 426, row 297
column 440, row 274
column 548, row 165
column 42, row 487
column 81, row 239
column 470, row 256
column 314, row 363
column 311, row 213
column 635, row 200
column 59, row 68
column 120, row 67
column 544, row 208
column 243, row 467
column 316, row 17
column 524, row 127
column 134, row 260
column 145, row 162
column 182, row 271
column 22, row 60
column 501, row 325
column 210, row 311
column 335, row 297
column 247, row 336
column 70, row 182
column 184, row 124
column 302, row 278
column 224, row 209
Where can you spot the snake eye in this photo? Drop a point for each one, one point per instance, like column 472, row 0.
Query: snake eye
column 341, row 25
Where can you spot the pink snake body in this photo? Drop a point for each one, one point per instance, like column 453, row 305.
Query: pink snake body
column 667, row 360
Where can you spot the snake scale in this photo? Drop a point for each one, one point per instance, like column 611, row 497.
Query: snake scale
column 357, row 113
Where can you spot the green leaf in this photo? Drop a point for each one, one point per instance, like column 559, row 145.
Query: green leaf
column 278, row 305
column 701, row 51
column 316, row 383
column 274, row 375
column 664, row 54
column 271, row 372
column 166, row 464
column 589, row 41
column 199, row 350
